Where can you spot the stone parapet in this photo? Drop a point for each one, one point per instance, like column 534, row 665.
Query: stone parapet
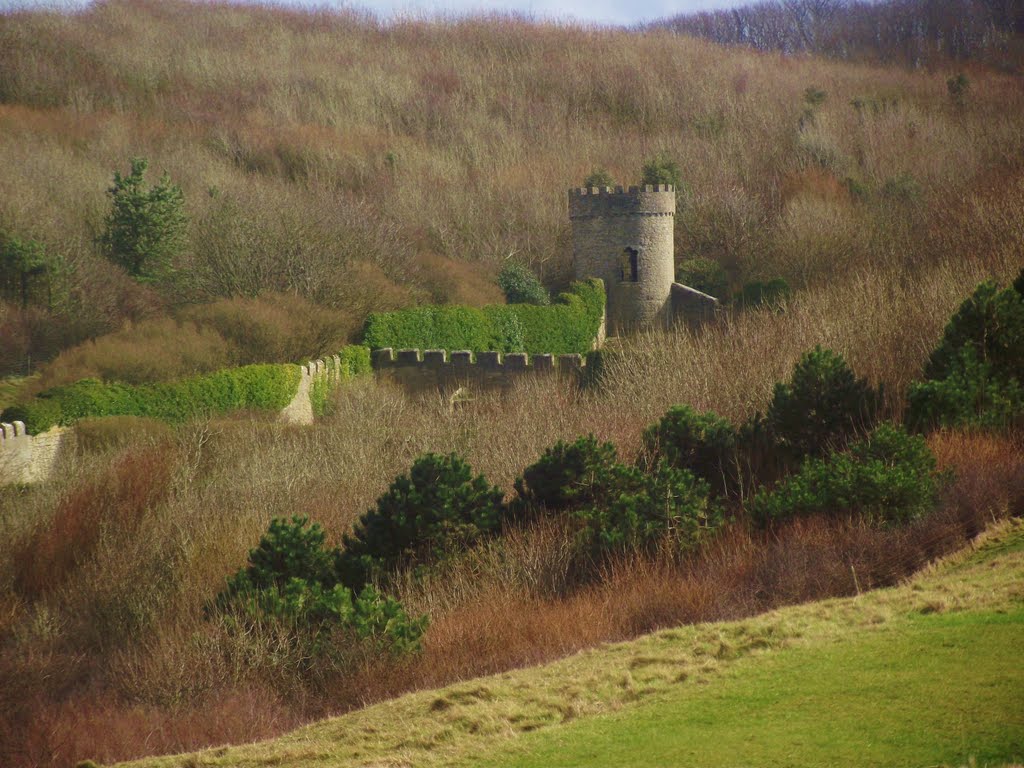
column 649, row 200
column 26, row 458
column 300, row 409
column 691, row 306
column 437, row 369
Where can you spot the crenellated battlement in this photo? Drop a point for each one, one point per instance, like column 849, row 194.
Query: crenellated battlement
column 436, row 369
column 646, row 189
column 510, row 362
column 12, row 431
column 26, row 458
column 328, row 368
column 317, row 378
column 614, row 202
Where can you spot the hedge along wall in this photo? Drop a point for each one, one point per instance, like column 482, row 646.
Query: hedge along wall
column 268, row 387
column 568, row 326
column 259, row 387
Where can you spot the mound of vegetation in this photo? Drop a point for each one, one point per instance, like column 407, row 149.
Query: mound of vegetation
column 259, row 387
column 889, row 476
column 614, row 506
column 569, row 325
column 435, row 510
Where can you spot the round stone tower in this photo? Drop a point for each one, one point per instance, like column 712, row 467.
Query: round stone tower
column 624, row 237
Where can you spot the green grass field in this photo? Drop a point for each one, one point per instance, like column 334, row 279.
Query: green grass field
column 936, row 689
column 927, row 673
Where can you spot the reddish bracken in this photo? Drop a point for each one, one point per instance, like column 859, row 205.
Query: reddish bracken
column 57, row 709
column 115, row 501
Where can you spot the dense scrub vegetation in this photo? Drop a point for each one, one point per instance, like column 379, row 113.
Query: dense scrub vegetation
column 570, row 325
column 148, row 600
column 273, row 328
column 437, row 509
column 976, row 374
column 292, row 589
column 401, row 164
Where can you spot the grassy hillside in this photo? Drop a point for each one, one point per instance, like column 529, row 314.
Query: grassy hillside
column 922, row 674
column 859, row 702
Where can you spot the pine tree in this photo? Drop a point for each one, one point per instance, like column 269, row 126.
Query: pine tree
column 145, row 229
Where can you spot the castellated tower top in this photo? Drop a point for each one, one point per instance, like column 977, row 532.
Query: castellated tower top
column 649, row 200
column 625, row 237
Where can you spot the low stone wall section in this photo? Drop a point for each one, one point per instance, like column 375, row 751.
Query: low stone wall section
column 435, row 369
column 693, row 307
column 26, row 458
column 300, row 409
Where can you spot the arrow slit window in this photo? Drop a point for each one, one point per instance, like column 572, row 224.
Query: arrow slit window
column 630, row 265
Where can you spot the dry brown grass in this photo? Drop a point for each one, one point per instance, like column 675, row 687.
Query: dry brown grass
column 112, row 505
column 115, row 659
column 324, row 151
column 204, row 338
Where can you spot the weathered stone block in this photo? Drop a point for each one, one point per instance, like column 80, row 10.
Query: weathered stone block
column 515, row 361
column 568, row 363
column 381, row 358
column 692, row 306
column 489, row 360
column 543, row 363
column 434, row 358
column 408, row 357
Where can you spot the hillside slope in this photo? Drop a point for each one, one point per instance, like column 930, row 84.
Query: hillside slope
column 365, row 165
column 924, row 673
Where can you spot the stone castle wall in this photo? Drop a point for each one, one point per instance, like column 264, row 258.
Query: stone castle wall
column 436, row 370
column 693, row 307
column 605, row 223
column 608, row 220
column 300, row 409
column 26, row 458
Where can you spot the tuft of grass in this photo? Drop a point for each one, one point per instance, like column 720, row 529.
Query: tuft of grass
column 12, row 389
